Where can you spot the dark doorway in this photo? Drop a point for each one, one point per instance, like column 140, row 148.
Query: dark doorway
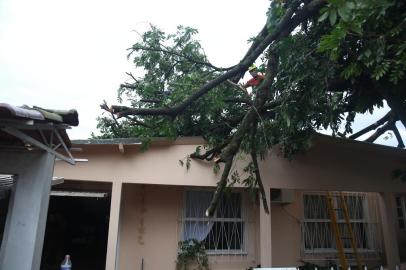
column 4, row 202
column 77, row 226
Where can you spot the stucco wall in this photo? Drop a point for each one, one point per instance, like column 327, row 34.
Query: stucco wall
column 150, row 230
column 286, row 238
column 331, row 164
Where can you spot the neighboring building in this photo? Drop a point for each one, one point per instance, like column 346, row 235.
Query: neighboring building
column 153, row 203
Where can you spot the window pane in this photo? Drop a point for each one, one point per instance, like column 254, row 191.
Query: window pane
column 401, row 224
column 318, row 235
column 317, row 232
column 198, row 230
column 400, row 212
column 355, row 206
column 229, row 206
column 398, row 202
column 315, row 207
column 225, row 231
column 197, row 203
column 225, row 236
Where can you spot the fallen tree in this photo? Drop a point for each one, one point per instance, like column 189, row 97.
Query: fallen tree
column 323, row 62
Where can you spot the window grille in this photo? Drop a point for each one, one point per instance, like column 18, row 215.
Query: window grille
column 224, row 233
column 401, row 211
column 317, row 234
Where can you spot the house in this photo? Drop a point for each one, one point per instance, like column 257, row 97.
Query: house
column 151, row 203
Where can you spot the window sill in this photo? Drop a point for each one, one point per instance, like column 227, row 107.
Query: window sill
column 225, row 252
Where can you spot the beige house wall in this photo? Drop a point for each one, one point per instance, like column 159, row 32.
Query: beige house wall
column 151, row 200
column 286, row 235
column 331, row 164
column 150, row 228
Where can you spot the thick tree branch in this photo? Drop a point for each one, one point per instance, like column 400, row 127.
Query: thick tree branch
column 262, row 192
column 220, row 188
column 246, row 125
column 398, row 137
column 373, row 126
column 381, row 131
column 398, row 106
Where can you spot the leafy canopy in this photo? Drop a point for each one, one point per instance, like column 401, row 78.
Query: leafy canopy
column 323, row 62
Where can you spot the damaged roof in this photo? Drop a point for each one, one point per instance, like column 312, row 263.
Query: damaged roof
column 36, row 122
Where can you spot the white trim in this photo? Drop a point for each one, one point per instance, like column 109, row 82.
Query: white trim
column 78, row 194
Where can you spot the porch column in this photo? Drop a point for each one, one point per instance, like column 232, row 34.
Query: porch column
column 114, row 223
column 265, row 230
column 23, row 238
column 389, row 222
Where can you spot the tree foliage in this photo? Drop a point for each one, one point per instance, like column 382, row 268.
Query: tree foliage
column 323, row 61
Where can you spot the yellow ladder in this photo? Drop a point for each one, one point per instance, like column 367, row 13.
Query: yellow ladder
column 336, row 230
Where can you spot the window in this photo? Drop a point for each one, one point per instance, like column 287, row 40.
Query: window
column 401, row 210
column 223, row 233
column 317, row 233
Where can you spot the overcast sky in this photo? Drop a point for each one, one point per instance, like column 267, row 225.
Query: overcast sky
column 72, row 54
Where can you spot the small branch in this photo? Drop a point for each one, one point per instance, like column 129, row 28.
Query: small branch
column 138, row 122
column 105, row 107
column 210, row 154
column 372, row 127
column 126, row 85
column 220, row 188
column 150, row 100
column 190, row 59
column 238, row 100
column 132, row 76
column 239, row 86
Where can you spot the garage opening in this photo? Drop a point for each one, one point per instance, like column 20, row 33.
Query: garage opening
column 77, row 224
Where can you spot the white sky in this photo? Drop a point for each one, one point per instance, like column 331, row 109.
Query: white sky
column 72, row 54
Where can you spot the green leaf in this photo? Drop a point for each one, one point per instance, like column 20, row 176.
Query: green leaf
column 181, row 162
column 323, row 17
column 350, row 5
column 332, row 17
column 344, row 13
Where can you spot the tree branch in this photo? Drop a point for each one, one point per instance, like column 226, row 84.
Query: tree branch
column 380, row 131
column 210, row 154
column 220, row 188
column 138, row 122
column 290, row 21
column 372, row 127
column 105, row 107
column 145, row 100
column 238, row 100
column 170, row 52
column 398, row 137
column 258, row 178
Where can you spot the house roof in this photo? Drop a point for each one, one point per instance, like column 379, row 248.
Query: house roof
column 35, row 122
column 198, row 140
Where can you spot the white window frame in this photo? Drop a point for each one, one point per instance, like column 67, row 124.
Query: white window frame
column 364, row 220
column 242, row 219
